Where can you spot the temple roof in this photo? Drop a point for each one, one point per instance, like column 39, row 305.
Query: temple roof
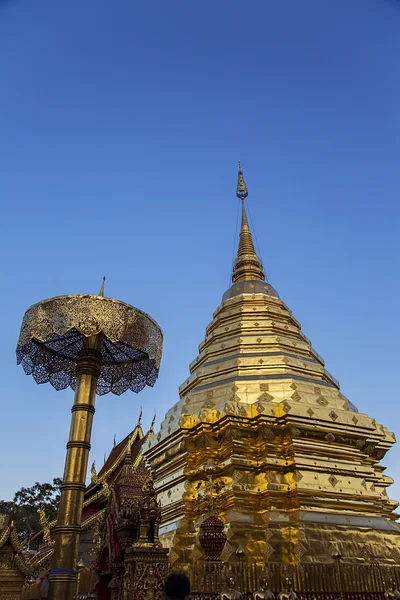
column 9, row 537
column 98, row 491
column 116, row 456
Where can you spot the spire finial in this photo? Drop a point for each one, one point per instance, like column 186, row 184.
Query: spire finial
column 101, row 292
column 241, row 189
column 247, row 265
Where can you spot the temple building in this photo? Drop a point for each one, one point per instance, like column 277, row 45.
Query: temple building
column 119, row 537
column 263, row 438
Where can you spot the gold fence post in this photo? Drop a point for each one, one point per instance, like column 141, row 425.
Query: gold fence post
column 240, row 553
column 337, row 557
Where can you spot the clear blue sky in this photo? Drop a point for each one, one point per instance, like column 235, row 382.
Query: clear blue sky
column 121, row 124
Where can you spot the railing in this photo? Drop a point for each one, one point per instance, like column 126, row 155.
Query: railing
column 300, row 596
column 323, row 581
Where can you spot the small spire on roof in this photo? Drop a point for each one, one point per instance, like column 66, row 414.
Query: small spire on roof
column 128, row 455
column 115, row 439
column 101, row 292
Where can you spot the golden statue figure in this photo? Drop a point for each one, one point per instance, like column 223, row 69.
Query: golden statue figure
column 231, row 594
column 264, row 593
column 288, row 593
column 391, row 592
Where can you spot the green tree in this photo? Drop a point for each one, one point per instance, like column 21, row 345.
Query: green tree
column 26, row 506
column 6, row 508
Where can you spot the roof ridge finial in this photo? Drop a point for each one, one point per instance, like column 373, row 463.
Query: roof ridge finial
column 150, row 431
column 101, row 292
column 93, row 472
column 153, row 420
column 247, row 265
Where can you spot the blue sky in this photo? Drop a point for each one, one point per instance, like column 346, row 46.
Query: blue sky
column 121, row 124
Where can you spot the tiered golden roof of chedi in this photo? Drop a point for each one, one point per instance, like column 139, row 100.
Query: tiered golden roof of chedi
column 297, row 466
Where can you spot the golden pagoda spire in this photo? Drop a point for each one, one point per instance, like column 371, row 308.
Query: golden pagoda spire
column 247, row 265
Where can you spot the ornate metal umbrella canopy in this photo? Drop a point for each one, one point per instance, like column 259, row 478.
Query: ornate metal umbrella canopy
column 95, row 345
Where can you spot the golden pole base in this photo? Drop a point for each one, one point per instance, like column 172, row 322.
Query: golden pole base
column 63, row 575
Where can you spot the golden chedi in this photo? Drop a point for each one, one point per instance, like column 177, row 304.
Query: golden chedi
column 297, row 467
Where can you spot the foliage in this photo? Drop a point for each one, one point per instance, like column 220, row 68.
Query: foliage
column 26, row 504
column 6, row 508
